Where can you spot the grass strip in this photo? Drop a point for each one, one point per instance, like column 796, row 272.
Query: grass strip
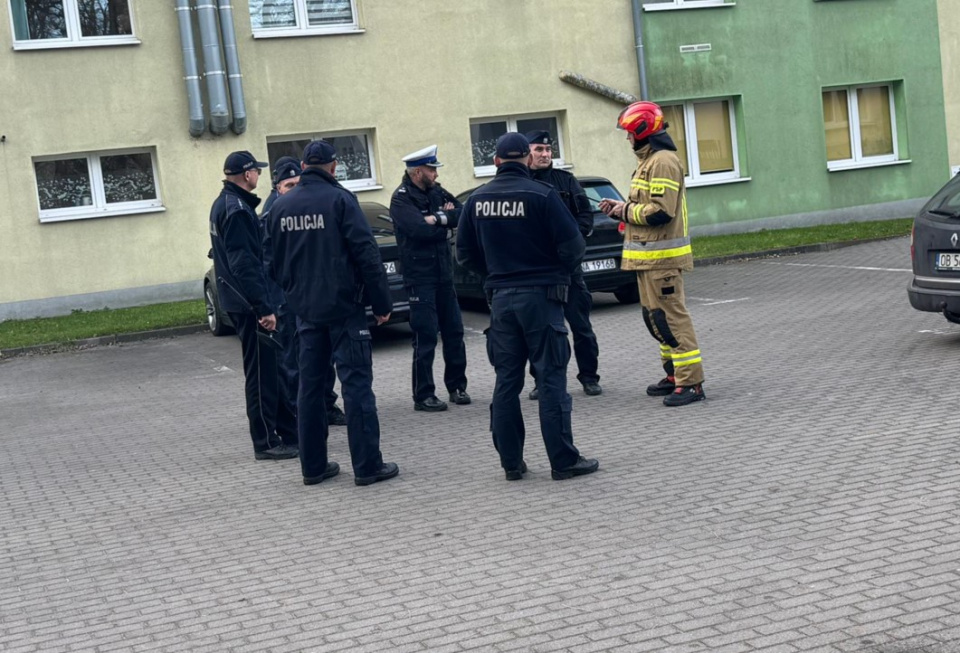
column 80, row 325
column 106, row 322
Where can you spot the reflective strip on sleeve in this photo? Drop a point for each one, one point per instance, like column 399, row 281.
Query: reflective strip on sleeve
column 637, row 214
column 669, row 183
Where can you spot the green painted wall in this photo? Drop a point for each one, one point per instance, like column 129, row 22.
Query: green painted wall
column 777, row 56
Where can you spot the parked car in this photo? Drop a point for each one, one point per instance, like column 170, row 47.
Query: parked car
column 935, row 253
column 379, row 218
column 601, row 262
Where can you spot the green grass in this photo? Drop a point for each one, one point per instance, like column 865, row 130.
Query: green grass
column 107, row 322
column 764, row 241
column 91, row 324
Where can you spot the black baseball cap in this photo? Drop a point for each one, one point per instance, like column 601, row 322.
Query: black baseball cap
column 239, row 162
column 512, row 145
column 319, row 153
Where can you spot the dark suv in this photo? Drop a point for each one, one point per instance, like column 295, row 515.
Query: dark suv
column 935, row 252
column 378, row 216
column 601, row 262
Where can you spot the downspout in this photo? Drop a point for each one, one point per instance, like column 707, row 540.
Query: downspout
column 234, row 77
column 641, row 59
column 191, row 76
column 213, row 66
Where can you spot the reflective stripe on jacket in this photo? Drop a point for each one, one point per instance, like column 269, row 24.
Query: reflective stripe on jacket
column 657, row 185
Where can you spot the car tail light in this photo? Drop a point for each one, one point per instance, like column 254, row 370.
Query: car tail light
column 622, row 227
column 912, row 249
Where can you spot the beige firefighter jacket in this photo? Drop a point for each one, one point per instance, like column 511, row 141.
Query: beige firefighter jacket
column 657, row 185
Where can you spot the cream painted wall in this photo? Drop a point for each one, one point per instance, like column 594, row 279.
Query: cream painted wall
column 949, row 14
column 414, row 77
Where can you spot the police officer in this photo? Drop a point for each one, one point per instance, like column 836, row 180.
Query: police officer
column 579, row 301
column 242, row 289
column 286, row 175
column 519, row 235
column 327, row 262
column 657, row 245
column 423, row 214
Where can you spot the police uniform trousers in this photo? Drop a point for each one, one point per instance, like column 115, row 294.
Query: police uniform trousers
column 289, row 369
column 271, row 420
column 665, row 311
column 434, row 308
column 524, row 325
column 347, row 343
column 585, row 347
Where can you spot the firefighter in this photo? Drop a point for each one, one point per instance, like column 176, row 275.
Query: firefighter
column 657, row 245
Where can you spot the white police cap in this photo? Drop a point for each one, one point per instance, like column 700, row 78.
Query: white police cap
column 425, row 157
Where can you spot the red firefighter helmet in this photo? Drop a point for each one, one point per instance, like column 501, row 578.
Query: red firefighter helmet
column 641, row 119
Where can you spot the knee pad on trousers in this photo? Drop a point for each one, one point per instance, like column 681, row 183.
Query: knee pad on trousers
column 646, row 320
column 659, row 319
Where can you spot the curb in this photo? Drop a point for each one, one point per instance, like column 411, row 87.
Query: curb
column 116, row 339
column 173, row 332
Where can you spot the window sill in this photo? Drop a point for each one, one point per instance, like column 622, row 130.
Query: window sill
column 861, row 165
column 293, row 31
column 361, row 189
column 99, row 213
column 697, row 183
column 706, row 4
column 51, row 44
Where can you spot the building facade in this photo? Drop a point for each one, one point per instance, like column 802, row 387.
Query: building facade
column 786, row 111
column 949, row 13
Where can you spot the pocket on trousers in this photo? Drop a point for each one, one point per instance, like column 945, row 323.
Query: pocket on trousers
column 488, row 338
column 566, row 411
column 665, row 281
column 361, row 347
column 559, row 343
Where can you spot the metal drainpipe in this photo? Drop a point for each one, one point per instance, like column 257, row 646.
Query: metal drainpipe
column 234, row 77
column 213, row 66
column 641, row 59
column 191, row 76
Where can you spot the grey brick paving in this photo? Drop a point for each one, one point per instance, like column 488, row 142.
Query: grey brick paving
column 810, row 504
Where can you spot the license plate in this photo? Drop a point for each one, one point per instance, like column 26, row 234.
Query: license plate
column 948, row 261
column 390, row 267
column 602, row 264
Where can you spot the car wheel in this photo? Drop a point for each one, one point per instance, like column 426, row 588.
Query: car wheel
column 214, row 316
column 627, row 294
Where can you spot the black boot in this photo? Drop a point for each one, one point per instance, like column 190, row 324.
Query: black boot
column 663, row 387
column 684, row 395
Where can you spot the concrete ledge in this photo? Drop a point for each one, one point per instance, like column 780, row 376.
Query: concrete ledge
column 95, row 301
column 786, row 251
column 115, row 339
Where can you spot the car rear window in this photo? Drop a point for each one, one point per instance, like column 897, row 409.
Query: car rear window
column 380, row 227
column 598, row 192
column 947, row 200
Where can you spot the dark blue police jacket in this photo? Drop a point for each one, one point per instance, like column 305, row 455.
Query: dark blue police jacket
column 325, row 257
column 237, row 252
column 571, row 193
column 518, row 232
column 424, row 250
column 267, row 203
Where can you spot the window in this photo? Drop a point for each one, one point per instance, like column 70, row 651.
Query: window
column 355, row 161
column 484, row 133
column 661, row 5
column 67, row 23
column 96, row 185
column 302, row 17
column 860, row 126
column 706, row 136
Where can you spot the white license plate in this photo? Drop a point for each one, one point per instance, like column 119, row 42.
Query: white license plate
column 948, row 261
column 602, row 264
column 390, row 267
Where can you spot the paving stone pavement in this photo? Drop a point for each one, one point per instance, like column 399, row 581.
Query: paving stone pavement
column 810, row 504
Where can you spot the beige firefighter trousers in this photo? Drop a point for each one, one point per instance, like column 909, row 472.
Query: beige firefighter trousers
column 665, row 310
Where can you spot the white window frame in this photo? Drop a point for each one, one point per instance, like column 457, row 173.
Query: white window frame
column 99, row 207
column 853, row 117
column 511, row 120
column 74, row 38
column 694, row 176
column 303, row 27
column 356, row 185
column 686, row 4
